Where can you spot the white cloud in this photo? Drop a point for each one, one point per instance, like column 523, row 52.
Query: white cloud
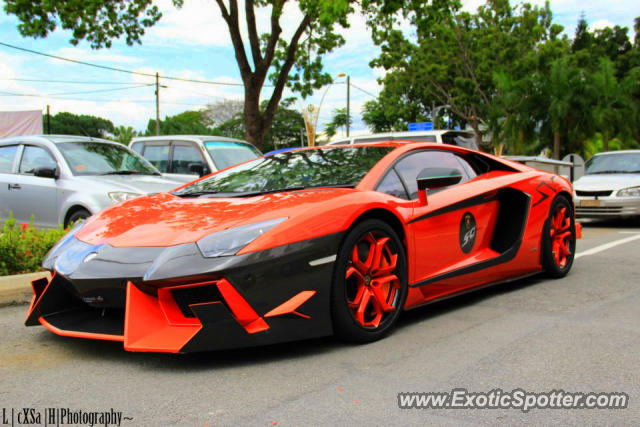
column 601, row 24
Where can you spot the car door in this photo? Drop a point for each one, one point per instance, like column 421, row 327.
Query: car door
column 455, row 227
column 186, row 159
column 158, row 153
column 33, row 195
column 7, row 158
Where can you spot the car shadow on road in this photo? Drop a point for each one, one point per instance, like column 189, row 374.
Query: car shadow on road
column 106, row 351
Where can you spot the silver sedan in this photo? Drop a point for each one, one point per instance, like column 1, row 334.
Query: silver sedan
column 61, row 179
column 610, row 186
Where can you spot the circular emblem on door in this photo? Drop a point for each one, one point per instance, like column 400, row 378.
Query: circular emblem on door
column 467, row 232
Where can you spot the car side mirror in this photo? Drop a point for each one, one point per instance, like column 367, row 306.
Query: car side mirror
column 432, row 178
column 45, row 172
column 196, row 168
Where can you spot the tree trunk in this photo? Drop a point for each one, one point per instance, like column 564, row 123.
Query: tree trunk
column 476, row 131
column 254, row 126
column 605, row 141
column 556, row 145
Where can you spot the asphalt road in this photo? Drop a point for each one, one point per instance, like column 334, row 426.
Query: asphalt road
column 580, row 333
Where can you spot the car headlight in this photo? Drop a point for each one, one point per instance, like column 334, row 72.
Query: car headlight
column 121, row 196
column 230, row 241
column 629, row 192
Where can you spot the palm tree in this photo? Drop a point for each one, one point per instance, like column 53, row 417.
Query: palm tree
column 124, row 134
column 613, row 109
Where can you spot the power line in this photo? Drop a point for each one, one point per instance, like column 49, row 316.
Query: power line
column 362, row 90
column 85, row 82
column 11, row 94
column 75, row 93
column 120, row 70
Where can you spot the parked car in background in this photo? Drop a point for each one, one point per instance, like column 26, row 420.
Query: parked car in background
column 187, row 157
column 454, row 137
column 61, row 179
column 610, row 186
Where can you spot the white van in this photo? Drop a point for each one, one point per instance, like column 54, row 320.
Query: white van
column 187, row 157
column 453, row 137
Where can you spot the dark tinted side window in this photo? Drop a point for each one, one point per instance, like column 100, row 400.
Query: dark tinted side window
column 158, row 156
column 410, row 166
column 392, row 185
column 7, row 155
column 35, row 157
column 184, row 156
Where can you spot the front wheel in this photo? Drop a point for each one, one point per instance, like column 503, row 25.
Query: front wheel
column 370, row 282
column 559, row 238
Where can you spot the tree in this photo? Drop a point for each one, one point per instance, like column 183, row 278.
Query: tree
column 286, row 131
column 186, row 123
column 271, row 55
column 339, row 120
column 124, row 134
column 613, row 110
column 79, row 124
column 455, row 54
column 219, row 112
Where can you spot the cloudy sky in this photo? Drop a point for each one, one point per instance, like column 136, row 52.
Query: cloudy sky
column 193, row 43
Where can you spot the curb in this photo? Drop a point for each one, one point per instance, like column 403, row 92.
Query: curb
column 17, row 289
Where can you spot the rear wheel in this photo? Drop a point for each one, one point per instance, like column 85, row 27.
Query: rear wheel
column 369, row 283
column 559, row 238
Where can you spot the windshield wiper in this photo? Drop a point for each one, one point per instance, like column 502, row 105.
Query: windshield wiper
column 126, row 172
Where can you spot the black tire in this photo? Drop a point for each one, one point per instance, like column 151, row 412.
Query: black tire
column 557, row 267
column 77, row 215
column 345, row 324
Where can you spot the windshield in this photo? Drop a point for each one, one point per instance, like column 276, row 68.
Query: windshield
column 99, row 158
column 225, row 154
column 329, row 167
column 614, row 163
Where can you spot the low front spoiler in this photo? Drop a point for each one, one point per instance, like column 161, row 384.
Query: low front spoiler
column 157, row 324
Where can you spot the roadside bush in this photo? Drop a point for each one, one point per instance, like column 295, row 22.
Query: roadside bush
column 23, row 247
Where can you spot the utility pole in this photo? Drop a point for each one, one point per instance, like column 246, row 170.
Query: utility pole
column 48, row 121
column 157, row 105
column 348, row 94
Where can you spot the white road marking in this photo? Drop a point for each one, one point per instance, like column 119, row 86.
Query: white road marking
column 629, row 232
column 606, row 246
column 326, row 260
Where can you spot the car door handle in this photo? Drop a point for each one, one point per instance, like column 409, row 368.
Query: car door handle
column 14, row 187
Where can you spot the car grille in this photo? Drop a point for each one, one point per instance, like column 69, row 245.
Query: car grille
column 603, row 193
column 599, row 210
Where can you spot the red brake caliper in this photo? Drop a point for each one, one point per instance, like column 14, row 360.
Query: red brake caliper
column 372, row 282
column 560, row 236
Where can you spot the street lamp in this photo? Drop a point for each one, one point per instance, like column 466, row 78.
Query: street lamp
column 348, row 96
column 310, row 114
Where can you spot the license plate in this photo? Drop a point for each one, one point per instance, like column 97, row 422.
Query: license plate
column 590, row 203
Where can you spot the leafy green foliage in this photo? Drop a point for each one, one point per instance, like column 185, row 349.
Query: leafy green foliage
column 124, row 134
column 295, row 62
column 78, row 124
column 97, row 21
column 286, row 130
column 23, row 248
column 186, row 123
column 339, row 120
column 506, row 72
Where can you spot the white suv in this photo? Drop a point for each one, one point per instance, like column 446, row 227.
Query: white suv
column 187, row 157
